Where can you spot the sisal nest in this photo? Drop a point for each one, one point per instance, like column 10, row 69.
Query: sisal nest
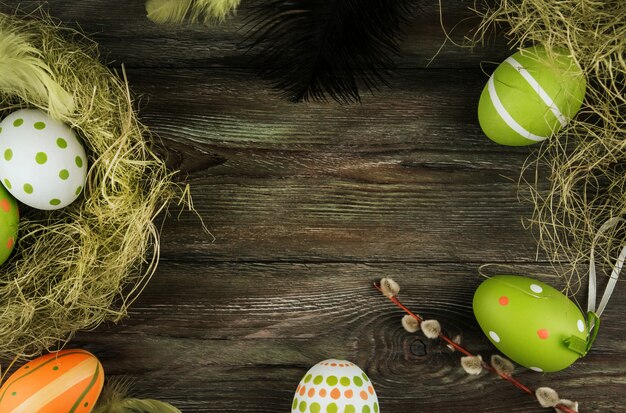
column 76, row 267
column 576, row 179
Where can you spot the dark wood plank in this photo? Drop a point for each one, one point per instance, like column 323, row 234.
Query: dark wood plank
column 407, row 175
column 268, row 220
column 309, row 204
column 127, row 36
column 237, row 337
column 431, row 110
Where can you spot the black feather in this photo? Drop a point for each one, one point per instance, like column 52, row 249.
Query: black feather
column 315, row 49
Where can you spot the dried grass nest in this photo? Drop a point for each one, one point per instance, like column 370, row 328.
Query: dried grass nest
column 576, row 180
column 84, row 264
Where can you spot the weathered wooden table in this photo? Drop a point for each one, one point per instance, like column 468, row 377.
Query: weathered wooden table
column 310, row 203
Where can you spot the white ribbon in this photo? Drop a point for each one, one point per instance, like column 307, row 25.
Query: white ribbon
column 617, row 268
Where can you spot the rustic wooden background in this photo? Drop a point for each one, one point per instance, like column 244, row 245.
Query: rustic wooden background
column 310, row 203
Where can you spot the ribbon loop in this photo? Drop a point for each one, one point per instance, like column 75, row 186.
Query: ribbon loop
column 577, row 345
column 581, row 346
column 617, row 268
column 594, row 321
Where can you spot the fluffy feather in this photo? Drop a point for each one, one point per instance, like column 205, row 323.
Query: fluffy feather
column 315, row 49
column 138, row 406
column 114, row 399
column 24, row 73
column 176, row 11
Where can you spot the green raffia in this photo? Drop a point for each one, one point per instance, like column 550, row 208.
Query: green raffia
column 84, row 264
column 576, row 180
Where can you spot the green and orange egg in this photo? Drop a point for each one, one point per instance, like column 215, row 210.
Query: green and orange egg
column 335, row 386
column 9, row 221
column 530, row 322
column 68, row 381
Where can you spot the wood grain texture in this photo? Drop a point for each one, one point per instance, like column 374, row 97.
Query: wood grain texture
column 307, row 205
column 128, row 37
column 389, row 182
column 213, row 337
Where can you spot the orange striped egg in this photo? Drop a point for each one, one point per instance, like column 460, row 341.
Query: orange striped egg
column 68, row 381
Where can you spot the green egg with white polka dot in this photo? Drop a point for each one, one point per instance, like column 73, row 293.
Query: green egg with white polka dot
column 42, row 162
column 9, row 221
column 531, row 96
column 531, row 323
column 335, row 386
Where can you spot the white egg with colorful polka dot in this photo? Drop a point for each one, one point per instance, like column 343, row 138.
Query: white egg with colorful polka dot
column 42, row 162
column 335, row 386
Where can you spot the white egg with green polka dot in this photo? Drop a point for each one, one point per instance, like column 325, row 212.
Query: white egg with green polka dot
column 42, row 162
column 335, row 386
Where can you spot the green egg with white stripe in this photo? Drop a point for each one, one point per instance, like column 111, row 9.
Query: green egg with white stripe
column 530, row 97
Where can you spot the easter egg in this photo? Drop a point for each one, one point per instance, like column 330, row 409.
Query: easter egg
column 9, row 220
column 530, row 322
column 335, row 386
column 68, row 381
column 42, row 162
column 530, row 96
